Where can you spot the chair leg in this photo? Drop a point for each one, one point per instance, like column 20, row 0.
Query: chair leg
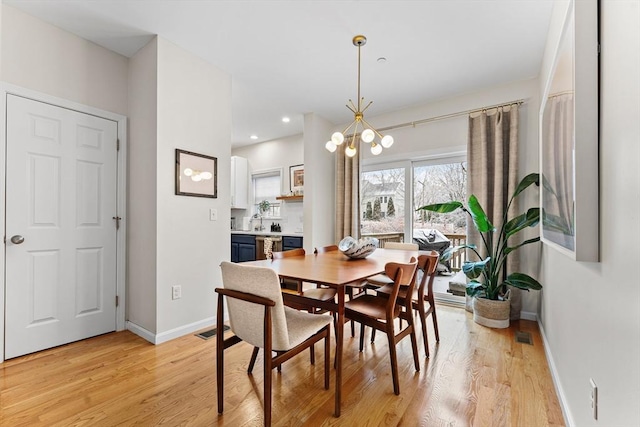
column 362, row 328
column 252, row 362
column 220, row 354
column 312, row 350
column 373, row 335
column 435, row 322
column 267, row 388
column 414, row 344
column 394, row 358
column 327, row 357
column 353, row 329
column 423, row 323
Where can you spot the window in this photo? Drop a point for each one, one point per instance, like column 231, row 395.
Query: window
column 382, row 201
column 267, row 186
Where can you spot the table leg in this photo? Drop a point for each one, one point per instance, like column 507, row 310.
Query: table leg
column 339, row 346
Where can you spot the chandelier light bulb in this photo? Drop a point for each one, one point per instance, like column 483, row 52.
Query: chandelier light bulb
column 330, row 146
column 350, row 151
column 367, row 135
column 337, row 138
column 376, row 149
column 196, row 178
column 188, row 172
column 387, row 141
column 206, row 175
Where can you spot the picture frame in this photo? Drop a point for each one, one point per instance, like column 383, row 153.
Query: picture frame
column 296, row 179
column 569, row 138
column 196, row 174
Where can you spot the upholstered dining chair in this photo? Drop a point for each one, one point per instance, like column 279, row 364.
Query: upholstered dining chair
column 423, row 292
column 258, row 316
column 380, row 313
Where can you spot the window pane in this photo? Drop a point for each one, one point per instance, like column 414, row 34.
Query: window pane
column 437, row 184
column 267, row 187
column 382, row 201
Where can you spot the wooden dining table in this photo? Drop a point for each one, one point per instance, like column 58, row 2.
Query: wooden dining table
column 336, row 270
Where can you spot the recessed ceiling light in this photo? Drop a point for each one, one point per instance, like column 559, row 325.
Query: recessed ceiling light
column 254, row 137
column 286, row 120
column 382, row 60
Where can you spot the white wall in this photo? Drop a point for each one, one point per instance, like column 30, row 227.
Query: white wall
column 591, row 311
column 142, row 238
column 194, row 114
column 42, row 57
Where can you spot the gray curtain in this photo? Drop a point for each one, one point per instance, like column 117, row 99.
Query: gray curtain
column 493, row 174
column 347, row 195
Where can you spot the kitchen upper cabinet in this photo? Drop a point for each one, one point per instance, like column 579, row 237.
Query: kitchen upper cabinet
column 239, row 182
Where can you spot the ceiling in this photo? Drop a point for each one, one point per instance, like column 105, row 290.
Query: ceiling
column 288, row 58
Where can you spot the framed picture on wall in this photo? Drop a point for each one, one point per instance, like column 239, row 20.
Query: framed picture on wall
column 296, row 179
column 196, row 174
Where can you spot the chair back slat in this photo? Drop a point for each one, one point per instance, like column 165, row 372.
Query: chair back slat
column 427, row 266
column 247, row 319
column 324, row 249
column 402, row 246
column 402, row 275
column 289, row 253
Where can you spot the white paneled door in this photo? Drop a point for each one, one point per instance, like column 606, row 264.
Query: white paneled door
column 60, row 232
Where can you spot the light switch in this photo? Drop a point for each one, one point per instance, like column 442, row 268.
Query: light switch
column 213, row 214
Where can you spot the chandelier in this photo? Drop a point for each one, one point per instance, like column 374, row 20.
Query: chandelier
column 368, row 133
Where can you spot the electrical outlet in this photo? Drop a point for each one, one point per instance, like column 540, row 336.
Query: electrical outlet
column 213, row 214
column 176, row 292
column 594, row 398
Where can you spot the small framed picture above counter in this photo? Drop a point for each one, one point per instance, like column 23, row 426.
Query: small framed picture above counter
column 296, row 179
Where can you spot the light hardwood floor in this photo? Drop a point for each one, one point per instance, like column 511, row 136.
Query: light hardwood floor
column 475, row 377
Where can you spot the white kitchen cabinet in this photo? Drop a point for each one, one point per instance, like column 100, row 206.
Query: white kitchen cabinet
column 239, row 182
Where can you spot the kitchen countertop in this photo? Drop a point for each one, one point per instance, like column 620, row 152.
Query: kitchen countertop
column 268, row 233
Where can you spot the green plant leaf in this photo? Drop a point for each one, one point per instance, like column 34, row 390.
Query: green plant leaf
column 532, row 178
column 510, row 249
column 523, row 281
column 449, row 252
column 478, row 215
column 442, row 207
column 528, row 219
column 473, row 270
column 475, row 289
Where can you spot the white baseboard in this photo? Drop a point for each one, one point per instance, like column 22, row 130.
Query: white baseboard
column 170, row 334
column 527, row 315
column 568, row 419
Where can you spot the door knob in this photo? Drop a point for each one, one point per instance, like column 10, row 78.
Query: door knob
column 17, row 239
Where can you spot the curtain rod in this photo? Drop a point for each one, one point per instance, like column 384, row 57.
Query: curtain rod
column 449, row 116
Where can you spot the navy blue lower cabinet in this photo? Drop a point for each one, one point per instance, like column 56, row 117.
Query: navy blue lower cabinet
column 243, row 247
column 291, row 242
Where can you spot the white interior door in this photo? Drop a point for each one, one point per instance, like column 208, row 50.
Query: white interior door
column 61, row 168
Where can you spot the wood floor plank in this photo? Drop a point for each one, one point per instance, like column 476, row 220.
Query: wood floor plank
column 475, row 376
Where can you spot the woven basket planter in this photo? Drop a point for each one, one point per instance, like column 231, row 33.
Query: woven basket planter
column 491, row 313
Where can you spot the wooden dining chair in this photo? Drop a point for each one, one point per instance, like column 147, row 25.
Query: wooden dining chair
column 380, row 313
column 423, row 292
column 319, row 293
column 379, row 280
column 258, row 316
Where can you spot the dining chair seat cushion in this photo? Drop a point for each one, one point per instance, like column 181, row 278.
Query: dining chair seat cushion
column 320, row 294
column 301, row 325
column 370, row 306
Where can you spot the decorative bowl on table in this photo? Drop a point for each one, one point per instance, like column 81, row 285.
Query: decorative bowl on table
column 358, row 248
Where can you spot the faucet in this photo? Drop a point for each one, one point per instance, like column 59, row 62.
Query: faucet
column 260, row 227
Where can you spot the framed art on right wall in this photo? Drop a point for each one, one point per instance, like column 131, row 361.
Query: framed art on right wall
column 569, row 138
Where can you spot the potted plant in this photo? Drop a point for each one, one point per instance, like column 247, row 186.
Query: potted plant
column 488, row 284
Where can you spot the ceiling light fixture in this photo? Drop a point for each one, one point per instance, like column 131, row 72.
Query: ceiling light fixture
column 254, row 137
column 369, row 133
column 286, row 119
